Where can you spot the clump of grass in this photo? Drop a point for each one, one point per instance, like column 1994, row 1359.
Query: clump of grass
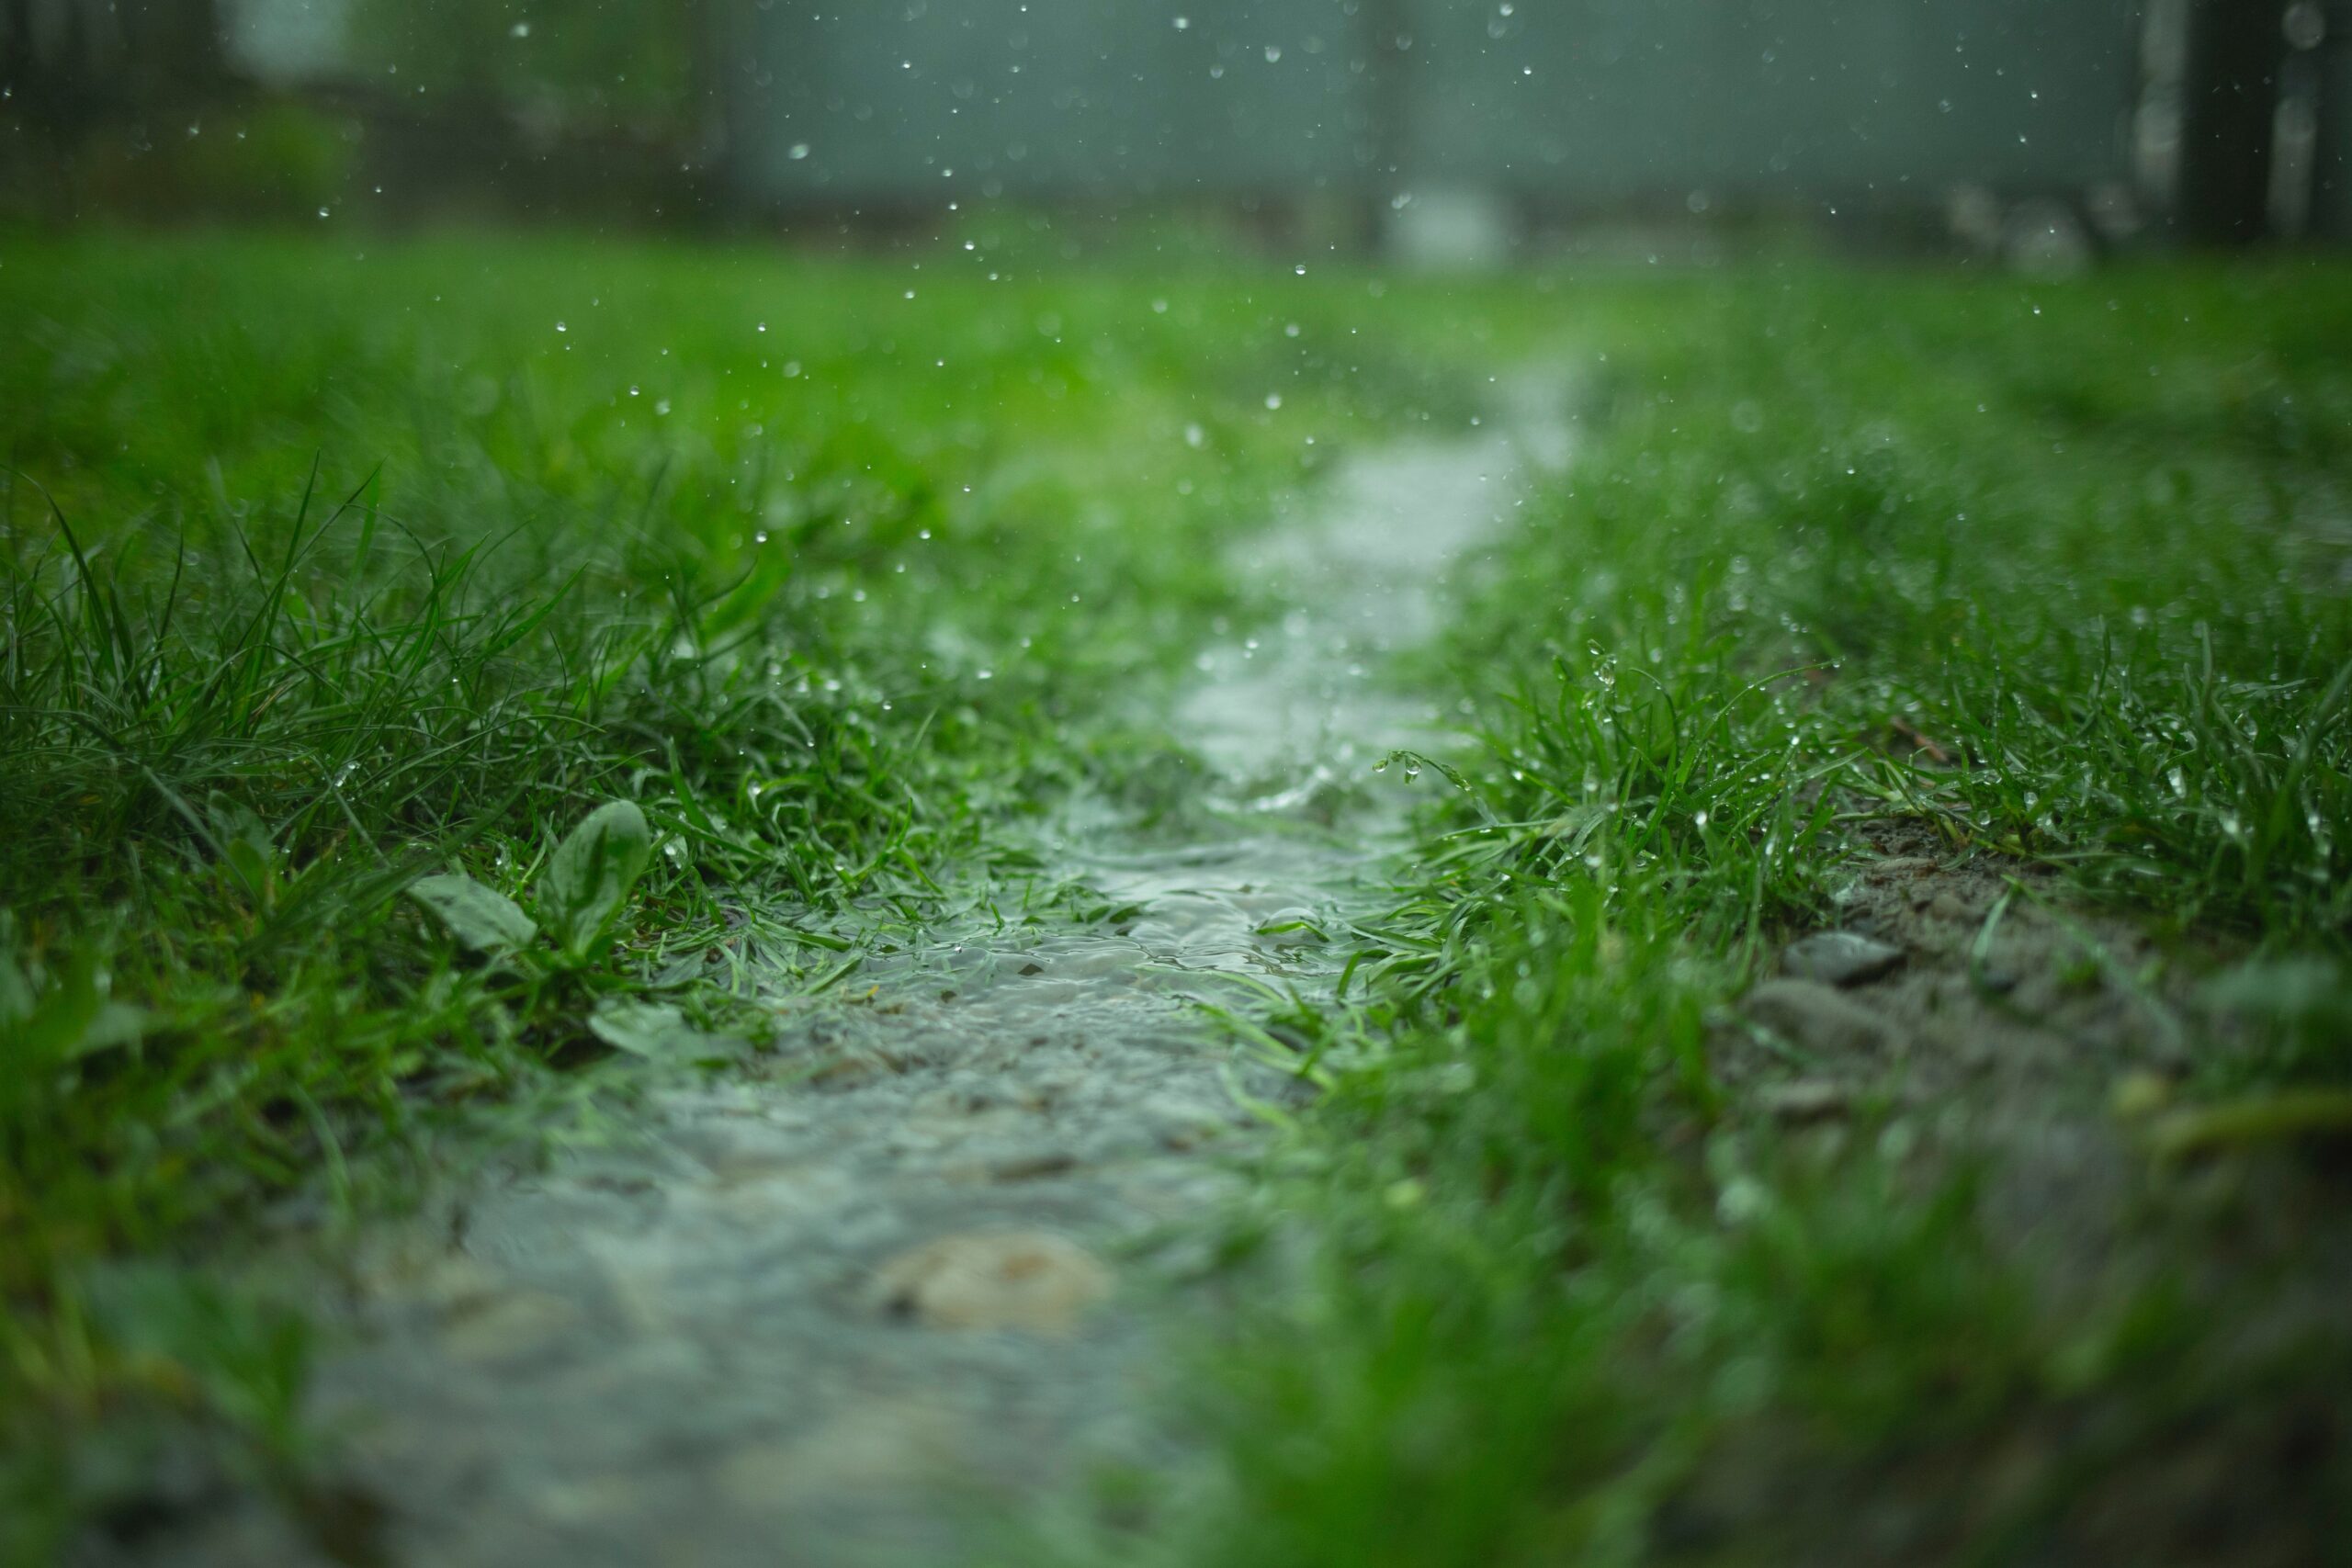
column 209, row 986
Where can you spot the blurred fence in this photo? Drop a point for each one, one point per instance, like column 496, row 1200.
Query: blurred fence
column 1567, row 103
column 2222, row 119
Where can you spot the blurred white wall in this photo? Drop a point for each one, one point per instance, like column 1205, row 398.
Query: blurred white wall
column 289, row 40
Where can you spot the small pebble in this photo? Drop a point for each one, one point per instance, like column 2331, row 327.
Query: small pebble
column 1806, row 1099
column 1024, row 1279
column 1028, row 1167
column 1839, row 958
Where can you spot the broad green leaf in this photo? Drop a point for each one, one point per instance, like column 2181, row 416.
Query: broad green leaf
column 16, row 992
column 478, row 916
column 116, row 1023
column 657, row 1032
column 247, row 1352
column 590, row 874
column 70, row 1018
column 250, row 856
column 68, row 1009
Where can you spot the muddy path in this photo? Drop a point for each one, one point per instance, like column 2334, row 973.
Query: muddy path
column 919, row 1270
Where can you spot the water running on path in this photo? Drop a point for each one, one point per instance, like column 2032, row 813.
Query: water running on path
column 816, row 1320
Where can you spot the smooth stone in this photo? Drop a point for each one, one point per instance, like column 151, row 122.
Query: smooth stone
column 1024, row 1279
column 1806, row 1099
column 1839, row 958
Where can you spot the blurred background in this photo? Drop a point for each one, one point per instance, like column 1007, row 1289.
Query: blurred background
column 1442, row 132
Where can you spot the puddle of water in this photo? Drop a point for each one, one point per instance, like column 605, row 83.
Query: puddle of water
column 669, row 1351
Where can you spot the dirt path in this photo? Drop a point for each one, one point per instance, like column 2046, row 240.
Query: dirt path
column 916, row 1275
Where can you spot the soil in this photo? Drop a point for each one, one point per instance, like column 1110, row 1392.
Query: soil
column 2043, row 1049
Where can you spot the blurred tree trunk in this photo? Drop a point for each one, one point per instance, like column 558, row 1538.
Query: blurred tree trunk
column 2229, row 98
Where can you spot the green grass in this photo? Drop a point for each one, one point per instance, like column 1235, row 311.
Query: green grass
column 329, row 571
column 2056, row 571
column 326, row 571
